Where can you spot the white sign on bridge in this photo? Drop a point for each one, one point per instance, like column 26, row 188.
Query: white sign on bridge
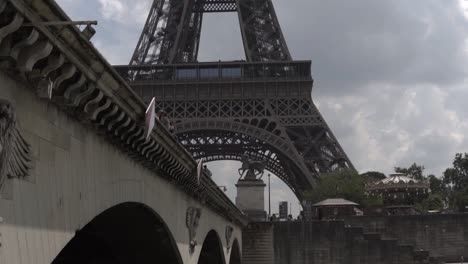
column 199, row 170
column 150, row 117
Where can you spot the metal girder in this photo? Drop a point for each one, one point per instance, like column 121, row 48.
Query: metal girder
column 172, row 31
column 212, row 145
column 210, row 6
column 226, row 129
column 222, row 110
column 149, row 44
column 261, row 32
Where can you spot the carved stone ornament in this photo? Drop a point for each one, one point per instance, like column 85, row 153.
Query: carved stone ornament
column 192, row 222
column 15, row 152
column 228, row 234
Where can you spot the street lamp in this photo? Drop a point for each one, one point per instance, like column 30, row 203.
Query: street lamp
column 269, row 197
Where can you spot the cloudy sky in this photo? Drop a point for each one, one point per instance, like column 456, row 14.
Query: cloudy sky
column 390, row 76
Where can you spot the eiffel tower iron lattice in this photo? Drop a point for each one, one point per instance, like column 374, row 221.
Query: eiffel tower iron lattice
column 172, row 31
column 261, row 107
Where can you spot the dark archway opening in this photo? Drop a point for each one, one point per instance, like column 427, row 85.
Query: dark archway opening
column 235, row 253
column 126, row 233
column 212, row 251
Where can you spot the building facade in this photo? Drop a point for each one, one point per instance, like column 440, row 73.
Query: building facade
column 283, row 210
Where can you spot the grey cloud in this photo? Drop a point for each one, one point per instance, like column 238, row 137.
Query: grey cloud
column 427, row 150
column 405, row 125
column 353, row 43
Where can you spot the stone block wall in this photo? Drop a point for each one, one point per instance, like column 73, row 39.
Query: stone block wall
column 258, row 244
column 441, row 235
column 308, row 242
column 332, row 242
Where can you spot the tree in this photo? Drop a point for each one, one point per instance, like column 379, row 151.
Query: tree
column 457, row 177
column 372, row 176
column 344, row 183
column 436, row 184
column 432, row 202
column 415, row 171
column 455, row 182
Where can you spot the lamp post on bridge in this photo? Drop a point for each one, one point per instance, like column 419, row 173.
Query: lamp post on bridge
column 269, row 197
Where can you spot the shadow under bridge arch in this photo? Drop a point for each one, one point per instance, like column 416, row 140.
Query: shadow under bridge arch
column 230, row 142
column 125, row 233
column 212, row 250
column 236, row 256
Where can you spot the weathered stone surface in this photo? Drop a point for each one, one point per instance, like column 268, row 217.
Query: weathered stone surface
column 396, row 239
column 78, row 177
column 250, row 195
column 258, row 244
column 442, row 235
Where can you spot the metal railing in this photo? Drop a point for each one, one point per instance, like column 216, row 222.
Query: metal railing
column 236, row 70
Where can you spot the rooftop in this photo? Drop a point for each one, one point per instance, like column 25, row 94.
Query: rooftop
column 335, row 201
column 397, row 178
column 397, row 182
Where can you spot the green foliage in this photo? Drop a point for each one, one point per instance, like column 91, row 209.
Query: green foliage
column 415, row 171
column 344, row 183
column 462, row 201
column 372, row 176
column 455, row 181
column 437, row 185
column 432, row 202
column 372, row 201
column 457, row 177
column 449, row 191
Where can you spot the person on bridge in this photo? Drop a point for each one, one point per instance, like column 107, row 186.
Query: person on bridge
column 164, row 118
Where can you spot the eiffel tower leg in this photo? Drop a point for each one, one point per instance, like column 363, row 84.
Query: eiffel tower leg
column 162, row 41
column 310, row 135
column 261, row 32
column 148, row 42
column 187, row 49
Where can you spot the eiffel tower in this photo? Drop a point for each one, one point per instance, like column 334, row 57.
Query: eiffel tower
column 261, row 107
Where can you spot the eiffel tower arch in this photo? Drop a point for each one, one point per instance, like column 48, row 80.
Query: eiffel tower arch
column 261, row 107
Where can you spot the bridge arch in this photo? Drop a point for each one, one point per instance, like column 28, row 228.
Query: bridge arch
column 126, row 233
column 212, row 249
column 235, row 257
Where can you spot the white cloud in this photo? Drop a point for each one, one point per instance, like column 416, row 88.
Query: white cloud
column 112, row 9
column 464, row 7
column 395, row 126
column 125, row 11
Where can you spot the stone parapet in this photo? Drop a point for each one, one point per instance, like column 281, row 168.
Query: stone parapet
column 62, row 66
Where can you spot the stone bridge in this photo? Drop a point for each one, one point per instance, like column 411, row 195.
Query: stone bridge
column 79, row 182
